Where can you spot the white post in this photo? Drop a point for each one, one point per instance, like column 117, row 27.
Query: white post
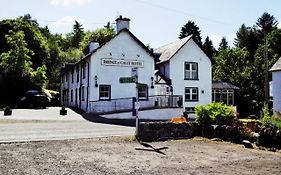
column 137, row 110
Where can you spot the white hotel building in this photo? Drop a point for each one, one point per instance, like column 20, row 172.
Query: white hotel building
column 171, row 79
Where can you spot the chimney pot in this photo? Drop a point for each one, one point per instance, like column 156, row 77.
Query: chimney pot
column 93, row 46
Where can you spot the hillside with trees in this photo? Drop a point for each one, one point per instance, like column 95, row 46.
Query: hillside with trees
column 31, row 57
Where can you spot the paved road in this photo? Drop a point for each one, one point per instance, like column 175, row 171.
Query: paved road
column 47, row 124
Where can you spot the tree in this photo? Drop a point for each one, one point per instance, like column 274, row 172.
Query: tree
column 209, row 48
column 247, row 37
column 223, row 44
column 16, row 69
column 190, row 28
column 101, row 36
column 78, row 34
column 266, row 23
column 239, row 74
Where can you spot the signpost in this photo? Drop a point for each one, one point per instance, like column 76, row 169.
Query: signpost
column 136, row 103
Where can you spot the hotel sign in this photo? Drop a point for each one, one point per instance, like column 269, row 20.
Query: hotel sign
column 123, row 63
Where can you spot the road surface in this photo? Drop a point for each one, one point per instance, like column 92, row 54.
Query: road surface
column 47, row 124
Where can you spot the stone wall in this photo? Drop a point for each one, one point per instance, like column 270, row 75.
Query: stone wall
column 270, row 137
column 155, row 131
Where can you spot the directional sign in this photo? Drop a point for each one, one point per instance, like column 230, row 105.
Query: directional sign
column 127, row 80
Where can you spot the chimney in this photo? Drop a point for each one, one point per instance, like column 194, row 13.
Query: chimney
column 122, row 23
column 93, row 46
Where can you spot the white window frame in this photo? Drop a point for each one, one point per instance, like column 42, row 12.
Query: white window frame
column 102, row 96
column 190, row 71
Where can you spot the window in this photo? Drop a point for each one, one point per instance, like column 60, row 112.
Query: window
column 105, row 92
column 191, row 94
column 83, row 93
column 77, row 71
column 225, row 96
column 72, row 76
column 190, row 110
column 216, row 95
column 190, row 71
column 71, row 95
column 84, row 70
column 143, row 92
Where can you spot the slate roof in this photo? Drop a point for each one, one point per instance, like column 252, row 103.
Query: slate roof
column 223, row 85
column 169, row 50
column 64, row 70
column 276, row 66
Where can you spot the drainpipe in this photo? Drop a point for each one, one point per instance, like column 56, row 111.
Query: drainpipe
column 88, row 85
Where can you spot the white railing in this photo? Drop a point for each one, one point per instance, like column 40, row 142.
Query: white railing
column 126, row 104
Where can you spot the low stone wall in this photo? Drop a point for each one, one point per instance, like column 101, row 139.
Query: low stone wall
column 155, row 131
column 224, row 132
column 270, row 137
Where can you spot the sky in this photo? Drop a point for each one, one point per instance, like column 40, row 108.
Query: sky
column 154, row 22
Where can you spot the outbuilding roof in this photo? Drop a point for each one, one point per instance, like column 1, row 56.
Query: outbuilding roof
column 223, row 85
column 169, row 50
column 276, row 66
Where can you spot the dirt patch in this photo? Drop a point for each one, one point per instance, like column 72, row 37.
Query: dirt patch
column 117, row 155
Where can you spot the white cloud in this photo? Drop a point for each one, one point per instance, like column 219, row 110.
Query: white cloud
column 279, row 25
column 68, row 3
column 65, row 24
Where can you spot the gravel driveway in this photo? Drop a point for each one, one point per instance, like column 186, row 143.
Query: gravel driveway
column 117, row 155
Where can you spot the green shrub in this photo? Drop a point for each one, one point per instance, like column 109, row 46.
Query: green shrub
column 214, row 113
column 269, row 121
column 203, row 116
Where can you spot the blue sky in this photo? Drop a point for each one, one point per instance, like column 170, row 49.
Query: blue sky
column 154, row 22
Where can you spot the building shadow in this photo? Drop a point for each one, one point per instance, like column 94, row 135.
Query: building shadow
column 96, row 118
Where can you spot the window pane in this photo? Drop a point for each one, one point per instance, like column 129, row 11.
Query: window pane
column 230, row 98
column 224, row 97
column 194, row 66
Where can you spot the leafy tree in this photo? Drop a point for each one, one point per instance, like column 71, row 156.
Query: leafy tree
column 190, row 28
column 209, row 48
column 15, row 69
column 239, row 74
column 101, row 36
column 32, row 35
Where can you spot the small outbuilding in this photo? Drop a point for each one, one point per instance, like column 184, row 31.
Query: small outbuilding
column 224, row 92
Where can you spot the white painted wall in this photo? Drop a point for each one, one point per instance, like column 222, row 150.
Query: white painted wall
column 155, row 114
column 123, row 46
column 276, row 90
column 190, row 52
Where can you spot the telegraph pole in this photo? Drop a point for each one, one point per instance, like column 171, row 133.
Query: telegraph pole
column 266, row 83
